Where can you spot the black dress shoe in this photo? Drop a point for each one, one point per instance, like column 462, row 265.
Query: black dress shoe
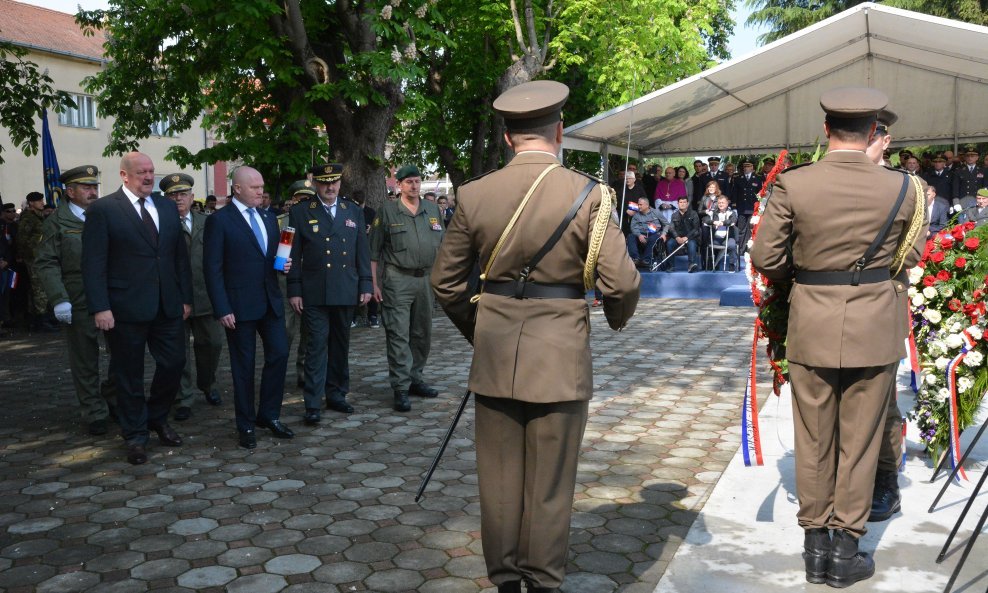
column 247, row 439
column 422, row 390
column 339, row 405
column 847, row 565
column 97, row 427
column 510, row 587
column 166, row 434
column 532, row 589
column 137, row 454
column 885, row 500
column 213, row 397
column 311, row 417
column 816, row 554
column 277, row 428
column 401, row 402
column 183, row 413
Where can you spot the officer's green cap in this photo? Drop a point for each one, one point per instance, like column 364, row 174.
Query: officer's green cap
column 532, row 104
column 853, row 102
column 983, row 192
column 327, row 173
column 407, row 171
column 176, row 182
column 301, row 187
column 86, row 175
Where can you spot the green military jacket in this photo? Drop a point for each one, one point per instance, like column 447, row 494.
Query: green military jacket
column 58, row 261
column 29, row 235
column 194, row 240
column 399, row 238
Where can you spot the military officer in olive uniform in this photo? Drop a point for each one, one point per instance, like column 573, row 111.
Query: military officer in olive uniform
column 404, row 238
column 299, row 191
column 330, row 276
column 205, row 331
column 846, row 329
column 532, row 371
column 59, row 267
column 28, row 239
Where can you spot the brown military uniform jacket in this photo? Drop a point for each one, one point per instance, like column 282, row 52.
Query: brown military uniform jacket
column 534, row 350
column 823, row 217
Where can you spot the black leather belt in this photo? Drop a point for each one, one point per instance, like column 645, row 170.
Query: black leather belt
column 869, row 276
column 417, row 272
column 535, row 290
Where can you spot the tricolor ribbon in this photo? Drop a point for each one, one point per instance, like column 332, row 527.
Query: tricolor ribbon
column 902, row 466
column 652, row 228
column 954, row 445
column 633, row 206
column 751, row 445
column 916, row 371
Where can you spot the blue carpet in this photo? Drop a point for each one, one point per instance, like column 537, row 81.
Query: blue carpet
column 730, row 289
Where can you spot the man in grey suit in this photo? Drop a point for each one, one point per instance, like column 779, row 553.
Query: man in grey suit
column 978, row 214
column 330, row 276
column 206, row 333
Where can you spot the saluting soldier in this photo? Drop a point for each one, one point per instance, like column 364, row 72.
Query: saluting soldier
column 205, row 331
column 846, row 328
column 59, row 267
column 299, row 191
column 532, row 371
column 968, row 178
column 330, row 276
column 404, row 238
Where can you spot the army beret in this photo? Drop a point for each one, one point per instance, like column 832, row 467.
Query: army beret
column 983, row 192
column 86, row 175
column 853, row 102
column 532, row 104
column 175, row 182
column 301, row 187
column 327, row 173
column 34, row 196
column 407, row 171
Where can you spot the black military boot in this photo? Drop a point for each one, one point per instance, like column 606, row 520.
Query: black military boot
column 885, row 501
column 816, row 554
column 847, row 565
column 509, row 587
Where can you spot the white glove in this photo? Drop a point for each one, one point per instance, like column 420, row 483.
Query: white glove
column 957, row 208
column 63, row 312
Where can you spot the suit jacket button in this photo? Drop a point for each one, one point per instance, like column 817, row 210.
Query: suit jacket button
column 344, row 253
column 327, row 239
column 328, row 253
column 329, row 265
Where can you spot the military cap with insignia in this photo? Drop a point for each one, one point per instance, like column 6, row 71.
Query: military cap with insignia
column 885, row 119
column 327, row 173
column 853, row 102
column 532, row 104
column 176, row 182
column 85, row 175
column 971, row 149
column 407, row 171
column 939, row 159
column 713, row 159
column 303, row 186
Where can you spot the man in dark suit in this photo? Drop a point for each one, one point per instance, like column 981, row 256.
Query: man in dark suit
column 135, row 270
column 239, row 249
column 332, row 276
column 968, row 178
column 941, row 179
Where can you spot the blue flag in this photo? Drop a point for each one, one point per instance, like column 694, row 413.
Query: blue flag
column 50, row 163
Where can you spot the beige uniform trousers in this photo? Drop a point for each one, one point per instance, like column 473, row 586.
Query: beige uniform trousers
column 839, row 418
column 526, row 467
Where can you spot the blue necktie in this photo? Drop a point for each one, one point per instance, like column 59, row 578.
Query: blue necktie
column 257, row 231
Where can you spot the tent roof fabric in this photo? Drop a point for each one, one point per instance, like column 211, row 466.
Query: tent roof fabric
column 934, row 71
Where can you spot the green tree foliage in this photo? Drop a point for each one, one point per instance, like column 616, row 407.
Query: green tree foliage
column 24, row 94
column 607, row 51
column 785, row 17
column 282, row 83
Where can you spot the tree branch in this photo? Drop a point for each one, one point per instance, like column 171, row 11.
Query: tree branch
column 519, row 36
column 533, row 39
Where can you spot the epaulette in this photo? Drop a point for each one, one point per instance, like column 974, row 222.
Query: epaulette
column 477, row 177
column 791, row 167
column 351, row 200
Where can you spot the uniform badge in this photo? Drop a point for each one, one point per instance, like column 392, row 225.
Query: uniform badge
column 328, row 169
column 313, row 221
column 351, row 224
column 89, row 170
column 377, row 222
column 435, row 224
column 176, row 178
column 312, row 205
column 315, row 228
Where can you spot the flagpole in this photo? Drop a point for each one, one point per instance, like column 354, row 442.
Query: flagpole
column 627, row 154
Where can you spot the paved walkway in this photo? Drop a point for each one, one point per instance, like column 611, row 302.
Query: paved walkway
column 333, row 509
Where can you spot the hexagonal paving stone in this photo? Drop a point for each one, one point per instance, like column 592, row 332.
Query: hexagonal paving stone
column 150, row 501
column 449, row 585
column 241, row 557
column 468, row 567
column 20, row 576
column 209, row 576
column 45, row 488
column 292, row 564
column 283, row 485
column 34, row 525
column 166, row 568
column 277, row 538
column 323, row 545
column 115, row 561
column 371, row 552
column 396, row 579
column 233, row 532
column 309, row 521
column 257, row 583
column 157, row 543
column 421, row 559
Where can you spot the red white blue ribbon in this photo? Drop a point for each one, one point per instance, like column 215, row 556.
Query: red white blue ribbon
column 751, row 445
column 916, row 371
column 954, row 444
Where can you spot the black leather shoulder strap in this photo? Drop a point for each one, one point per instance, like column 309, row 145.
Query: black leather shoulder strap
column 884, row 232
column 554, row 238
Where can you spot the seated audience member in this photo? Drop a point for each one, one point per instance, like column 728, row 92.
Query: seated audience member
column 978, row 214
column 633, row 190
column 684, row 230
column 708, row 201
column 646, row 228
column 668, row 190
column 939, row 211
column 723, row 222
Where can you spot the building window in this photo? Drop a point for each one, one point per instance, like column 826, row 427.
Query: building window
column 83, row 115
column 162, row 128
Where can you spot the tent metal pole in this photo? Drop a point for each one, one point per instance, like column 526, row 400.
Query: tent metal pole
column 956, row 109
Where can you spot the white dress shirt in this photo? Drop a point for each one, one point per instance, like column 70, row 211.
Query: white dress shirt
column 148, row 205
column 79, row 212
column 257, row 215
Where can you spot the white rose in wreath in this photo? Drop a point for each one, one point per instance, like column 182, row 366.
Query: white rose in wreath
column 942, row 395
column 931, row 379
column 954, row 341
column 932, row 315
column 929, row 292
column 941, row 363
column 975, row 332
column 918, row 300
column 974, row 359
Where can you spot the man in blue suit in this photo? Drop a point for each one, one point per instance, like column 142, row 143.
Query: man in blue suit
column 135, row 271
column 240, row 244
column 332, row 276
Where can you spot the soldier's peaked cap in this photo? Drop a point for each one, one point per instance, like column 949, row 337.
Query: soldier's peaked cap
column 303, row 186
column 175, row 182
column 532, row 104
column 853, row 102
column 86, row 175
column 327, row 173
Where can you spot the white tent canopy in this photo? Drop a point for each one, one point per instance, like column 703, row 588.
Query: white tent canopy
column 934, row 70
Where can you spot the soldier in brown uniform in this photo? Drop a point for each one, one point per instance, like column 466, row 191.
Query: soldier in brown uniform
column 531, row 370
column 846, row 331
